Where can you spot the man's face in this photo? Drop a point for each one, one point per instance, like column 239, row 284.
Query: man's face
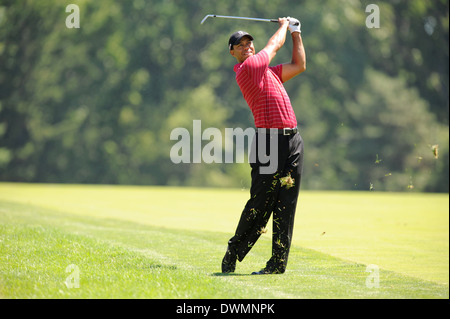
column 243, row 49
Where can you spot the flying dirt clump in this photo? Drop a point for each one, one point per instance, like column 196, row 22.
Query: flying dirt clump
column 287, row 181
column 435, row 150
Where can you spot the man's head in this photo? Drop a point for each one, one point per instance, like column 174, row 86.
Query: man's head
column 241, row 45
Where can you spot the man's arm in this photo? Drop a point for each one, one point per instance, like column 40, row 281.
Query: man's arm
column 277, row 40
column 298, row 62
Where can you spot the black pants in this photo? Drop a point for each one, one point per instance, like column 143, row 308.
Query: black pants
column 267, row 196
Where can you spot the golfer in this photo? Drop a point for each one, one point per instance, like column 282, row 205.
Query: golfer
column 276, row 192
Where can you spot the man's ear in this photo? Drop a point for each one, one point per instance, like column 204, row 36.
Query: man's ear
column 232, row 52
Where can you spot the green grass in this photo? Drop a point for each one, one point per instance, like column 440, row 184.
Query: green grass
column 156, row 242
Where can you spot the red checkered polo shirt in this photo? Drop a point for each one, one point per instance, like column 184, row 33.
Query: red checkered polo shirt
column 264, row 92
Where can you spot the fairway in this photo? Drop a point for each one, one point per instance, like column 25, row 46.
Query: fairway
column 98, row 241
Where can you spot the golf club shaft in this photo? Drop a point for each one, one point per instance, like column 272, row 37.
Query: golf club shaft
column 240, row 18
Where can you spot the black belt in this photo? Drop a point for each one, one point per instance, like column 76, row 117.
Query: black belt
column 281, row 131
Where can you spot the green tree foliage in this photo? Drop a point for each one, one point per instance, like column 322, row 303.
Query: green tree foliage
column 97, row 104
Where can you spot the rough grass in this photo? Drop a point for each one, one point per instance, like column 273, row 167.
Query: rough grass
column 126, row 242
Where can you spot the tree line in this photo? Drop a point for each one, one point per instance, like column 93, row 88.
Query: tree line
column 97, row 104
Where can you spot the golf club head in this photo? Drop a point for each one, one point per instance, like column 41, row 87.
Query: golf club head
column 206, row 17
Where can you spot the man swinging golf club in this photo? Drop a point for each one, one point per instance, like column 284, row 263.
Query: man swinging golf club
column 275, row 193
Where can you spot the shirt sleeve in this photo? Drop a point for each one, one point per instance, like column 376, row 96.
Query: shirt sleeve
column 278, row 71
column 256, row 66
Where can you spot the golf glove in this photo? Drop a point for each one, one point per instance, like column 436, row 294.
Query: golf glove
column 292, row 26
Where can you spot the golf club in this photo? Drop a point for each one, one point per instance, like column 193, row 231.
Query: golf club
column 240, row 18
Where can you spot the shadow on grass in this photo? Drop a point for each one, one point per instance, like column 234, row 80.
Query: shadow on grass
column 229, row 274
